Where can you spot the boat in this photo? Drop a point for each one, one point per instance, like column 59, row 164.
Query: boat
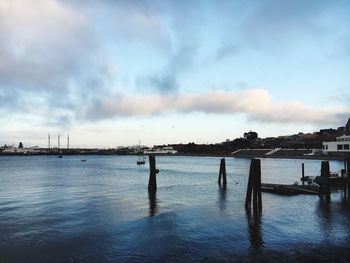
column 333, row 179
column 293, row 189
column 141, row 161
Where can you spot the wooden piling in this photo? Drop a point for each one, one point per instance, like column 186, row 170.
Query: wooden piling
column 347, row 172
column 254, row 186
column 257, row 187
column 342, row 173
column 248, row 197
column 222, row 172
column 325, row 187
column 345, row 165
column 152, row 182
column 344, row 182
column 303, row 173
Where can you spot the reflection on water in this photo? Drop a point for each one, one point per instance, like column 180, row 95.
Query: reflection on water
column 255, row 232
column 101, row 211
column 152, row 198
column 332, row 215
column 222, row 196
column 324, row 212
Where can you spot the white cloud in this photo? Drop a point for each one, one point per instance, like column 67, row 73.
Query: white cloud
column 50, row 58
column 41, row 41
column 257, row 104
column 57, row 59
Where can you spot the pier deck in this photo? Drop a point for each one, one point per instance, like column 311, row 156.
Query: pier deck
column 283, row 189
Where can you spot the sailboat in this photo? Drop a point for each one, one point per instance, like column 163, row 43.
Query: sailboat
column 141, row 161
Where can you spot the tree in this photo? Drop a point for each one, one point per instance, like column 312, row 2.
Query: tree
column 20, row 145
column 250, row 136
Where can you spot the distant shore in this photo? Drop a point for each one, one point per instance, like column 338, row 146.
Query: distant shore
column 247, row 156
column 305, row 157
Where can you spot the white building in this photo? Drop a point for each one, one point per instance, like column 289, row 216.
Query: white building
column 342, row 144
column 16, row 150
column 161, row 150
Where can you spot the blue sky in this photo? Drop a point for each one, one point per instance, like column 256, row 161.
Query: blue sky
column 112, row 72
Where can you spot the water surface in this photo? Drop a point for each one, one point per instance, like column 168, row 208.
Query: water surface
column 65, row 210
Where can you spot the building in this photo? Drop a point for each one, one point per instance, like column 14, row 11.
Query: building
column 347, row 128
column 342, row 144
column 161, row 150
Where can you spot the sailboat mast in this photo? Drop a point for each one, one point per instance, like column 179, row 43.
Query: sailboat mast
column 49, row 143
column 58, row 141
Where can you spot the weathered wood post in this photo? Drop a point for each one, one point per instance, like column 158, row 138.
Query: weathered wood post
column 222, row 172
column 152, row 182
column 344, row 181
column 248, row 196
column 257, row 188
column 347, row 169
column 325, row 186
column 302, row 173
column 345, row 165
column 254, row 186
column 342, row 173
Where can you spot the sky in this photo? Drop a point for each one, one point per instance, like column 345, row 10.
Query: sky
column 111, row 73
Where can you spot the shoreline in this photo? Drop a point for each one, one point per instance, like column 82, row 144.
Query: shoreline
column 297, row 157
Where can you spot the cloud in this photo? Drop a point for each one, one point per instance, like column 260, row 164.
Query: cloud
column 287, row 24
column 340, row 96
column 58, row 57
column 227, row 50
column 61, row 119
column 50, row 58
column 256, row 104
column 166, row 81
column 273, row 19
column 41, row 44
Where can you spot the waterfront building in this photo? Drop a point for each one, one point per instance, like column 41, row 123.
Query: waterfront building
column 342, row 144
column 161, row 150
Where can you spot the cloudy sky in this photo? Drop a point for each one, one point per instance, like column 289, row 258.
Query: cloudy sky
column 113, row 72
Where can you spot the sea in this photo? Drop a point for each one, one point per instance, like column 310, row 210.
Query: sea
column 98, row 209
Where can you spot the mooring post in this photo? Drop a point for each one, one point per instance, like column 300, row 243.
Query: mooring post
column 152, row 182
column 342, row 173
column 302, row 173
column 347, row 172
column 220, row 169
column 345, row 165
column 222, row 172
column 248, row 196
column 325, row 178
column 258, row 184
column 254, row 186
column 345, row 182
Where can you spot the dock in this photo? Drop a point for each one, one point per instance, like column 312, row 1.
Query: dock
column 294, row 189
column 333, row 179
